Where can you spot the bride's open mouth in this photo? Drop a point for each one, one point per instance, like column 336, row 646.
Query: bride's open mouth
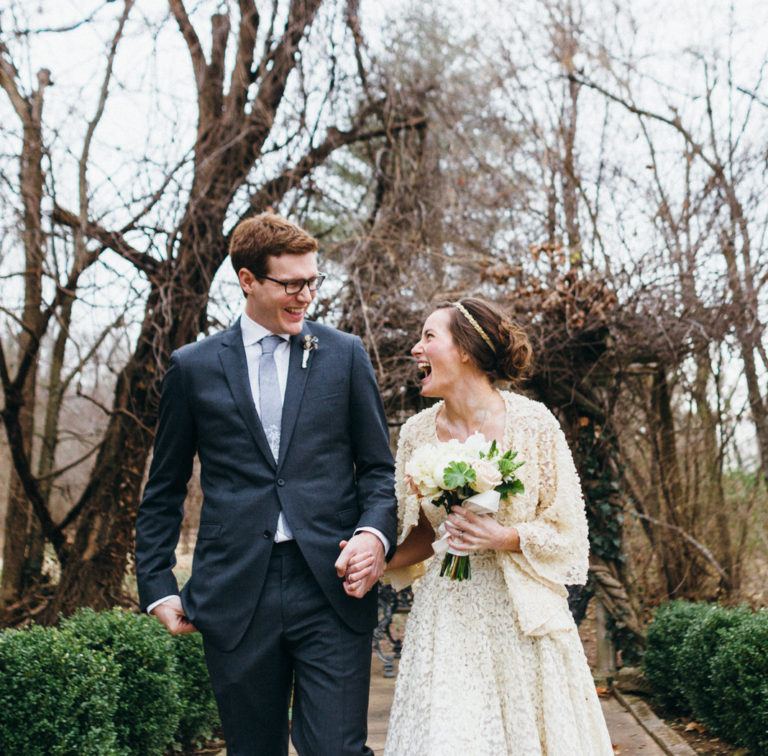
column 425, row 370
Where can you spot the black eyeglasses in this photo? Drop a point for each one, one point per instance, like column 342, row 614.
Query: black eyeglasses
column 296, row 286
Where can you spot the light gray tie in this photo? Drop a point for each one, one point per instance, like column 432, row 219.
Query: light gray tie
column 270, row 400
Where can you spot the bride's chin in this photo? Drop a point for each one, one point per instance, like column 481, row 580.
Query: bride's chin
column 427, row 390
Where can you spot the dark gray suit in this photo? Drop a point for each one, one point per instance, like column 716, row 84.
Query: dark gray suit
column 268, row 611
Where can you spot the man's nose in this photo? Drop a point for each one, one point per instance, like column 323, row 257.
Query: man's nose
column 305, row 295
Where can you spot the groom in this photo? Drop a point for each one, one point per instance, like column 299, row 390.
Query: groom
column 287, row 421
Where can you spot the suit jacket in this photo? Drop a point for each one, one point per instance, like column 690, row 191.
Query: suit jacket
column 335, row 473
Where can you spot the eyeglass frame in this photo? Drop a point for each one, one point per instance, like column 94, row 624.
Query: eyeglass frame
column 319, row 278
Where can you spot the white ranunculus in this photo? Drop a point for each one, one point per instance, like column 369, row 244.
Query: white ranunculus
column 488, row 476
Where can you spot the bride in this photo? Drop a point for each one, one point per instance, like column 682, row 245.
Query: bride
column 494, row 664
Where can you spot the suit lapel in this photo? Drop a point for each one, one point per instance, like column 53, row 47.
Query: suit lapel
column 232, row 356
column 294, row 390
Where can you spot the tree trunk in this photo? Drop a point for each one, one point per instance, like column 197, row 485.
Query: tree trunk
column 23, row 548
column 713, row 473
column 679, row 564
column 93, row 572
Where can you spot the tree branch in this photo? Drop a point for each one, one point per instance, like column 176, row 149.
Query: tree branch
column 753, row 95
column 199, row 64
column 274, row 190
column 113, row 240
column 282, row 60
column 675, row 122
column 10, row 416
column 9, row 82
column 240, row 80
column 94, row 122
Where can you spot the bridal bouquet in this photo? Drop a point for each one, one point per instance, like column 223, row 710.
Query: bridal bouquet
column 471, row 473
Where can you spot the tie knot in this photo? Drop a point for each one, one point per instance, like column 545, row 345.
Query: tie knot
column 270, row 343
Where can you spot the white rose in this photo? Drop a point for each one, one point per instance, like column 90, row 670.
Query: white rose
column 420, row 469
column 442, row 459
column 487, row 476
column 475, row 444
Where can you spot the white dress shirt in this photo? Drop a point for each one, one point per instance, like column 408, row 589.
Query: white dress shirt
column 252, row 333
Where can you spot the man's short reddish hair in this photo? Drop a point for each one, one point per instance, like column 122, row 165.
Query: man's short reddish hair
column 267, row 235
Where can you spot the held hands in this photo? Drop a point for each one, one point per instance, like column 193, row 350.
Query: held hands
column 473, row 532
column 171, row 614
column 361, row 563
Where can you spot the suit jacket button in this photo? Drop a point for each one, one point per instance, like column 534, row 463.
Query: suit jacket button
column 267, row 534
column 280, row 482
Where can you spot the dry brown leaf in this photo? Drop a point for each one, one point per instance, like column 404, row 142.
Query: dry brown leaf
column 602, row 691
column 695, row 727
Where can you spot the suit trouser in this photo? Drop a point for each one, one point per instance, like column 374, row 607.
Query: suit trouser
column 295, row 641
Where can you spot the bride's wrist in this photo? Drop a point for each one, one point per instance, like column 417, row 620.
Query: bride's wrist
column 511, row 539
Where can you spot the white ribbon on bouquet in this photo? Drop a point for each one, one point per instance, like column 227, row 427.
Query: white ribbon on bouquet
column 482, row 504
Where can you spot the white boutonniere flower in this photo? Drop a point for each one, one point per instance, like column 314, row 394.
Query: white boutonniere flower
column 310, row 343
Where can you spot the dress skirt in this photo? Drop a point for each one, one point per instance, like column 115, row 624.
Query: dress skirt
column 470, row 683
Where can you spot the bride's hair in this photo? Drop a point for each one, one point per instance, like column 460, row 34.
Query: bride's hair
column 508, row 356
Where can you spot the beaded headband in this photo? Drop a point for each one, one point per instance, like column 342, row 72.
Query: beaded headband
column 466, row 313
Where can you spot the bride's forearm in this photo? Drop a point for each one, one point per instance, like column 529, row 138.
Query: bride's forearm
column 415, row 548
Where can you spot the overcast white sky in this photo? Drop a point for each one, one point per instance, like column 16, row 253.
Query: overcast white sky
column 157, row 91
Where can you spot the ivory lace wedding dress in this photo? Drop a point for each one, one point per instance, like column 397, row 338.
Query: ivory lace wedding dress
column 494, row 665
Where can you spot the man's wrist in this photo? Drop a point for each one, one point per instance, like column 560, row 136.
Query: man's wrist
column 157, row 603
column 382, row 538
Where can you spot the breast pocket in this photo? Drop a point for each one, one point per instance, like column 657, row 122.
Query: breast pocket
column 325, row 394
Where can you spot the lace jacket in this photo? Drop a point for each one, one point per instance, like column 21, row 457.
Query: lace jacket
column 549, row 515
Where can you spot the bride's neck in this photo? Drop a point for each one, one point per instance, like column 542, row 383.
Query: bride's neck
column 472, row 406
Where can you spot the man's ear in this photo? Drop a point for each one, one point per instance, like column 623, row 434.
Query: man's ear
column 247, row 280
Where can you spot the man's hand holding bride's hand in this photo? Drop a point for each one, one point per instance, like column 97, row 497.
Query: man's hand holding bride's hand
column 171, row 614
column 474, row 532
column 361, row 563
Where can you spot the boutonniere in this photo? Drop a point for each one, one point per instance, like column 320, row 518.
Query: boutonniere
column 310, row 343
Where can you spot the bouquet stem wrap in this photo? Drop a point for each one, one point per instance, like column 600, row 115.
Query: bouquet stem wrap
column 456, row 564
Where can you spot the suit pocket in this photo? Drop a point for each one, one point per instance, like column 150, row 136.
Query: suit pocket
column 348, row 517
column 208, row 531
column 325, row 395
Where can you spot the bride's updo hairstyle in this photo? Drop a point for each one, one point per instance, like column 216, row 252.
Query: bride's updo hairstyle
column 497, row 345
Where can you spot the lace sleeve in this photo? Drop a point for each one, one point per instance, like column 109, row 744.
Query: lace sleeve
column 407, row 502
column 555, row 543
column 407, row 512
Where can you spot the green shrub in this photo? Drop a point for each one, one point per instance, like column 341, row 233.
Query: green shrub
column 706, row 636
column 662, row 654
column 57, row 696
column 740, row 677
column 148, row 708
column 199, row 715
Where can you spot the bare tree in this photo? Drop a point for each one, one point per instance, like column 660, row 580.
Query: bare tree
column 237, row 116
